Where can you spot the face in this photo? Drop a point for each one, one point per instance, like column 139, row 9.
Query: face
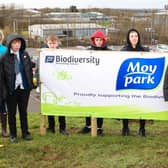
column 52, row 44
column 133, row 37
column 98, row 42
column 15, row 45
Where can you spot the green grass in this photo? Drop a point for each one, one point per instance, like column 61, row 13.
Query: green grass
column 83, row 151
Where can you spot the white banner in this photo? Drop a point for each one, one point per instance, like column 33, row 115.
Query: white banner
column 101, row 83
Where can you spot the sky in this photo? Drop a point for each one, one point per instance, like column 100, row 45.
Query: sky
column 131, row 4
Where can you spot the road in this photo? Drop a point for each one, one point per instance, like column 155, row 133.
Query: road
column 34, row 102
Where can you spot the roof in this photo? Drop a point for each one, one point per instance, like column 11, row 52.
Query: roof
column 67, row 26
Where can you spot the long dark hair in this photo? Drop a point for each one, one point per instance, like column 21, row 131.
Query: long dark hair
column 139, row 39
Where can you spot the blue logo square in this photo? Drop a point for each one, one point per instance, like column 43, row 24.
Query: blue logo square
column 49, row 59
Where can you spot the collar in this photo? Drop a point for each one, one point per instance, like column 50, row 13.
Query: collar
column 12, row 52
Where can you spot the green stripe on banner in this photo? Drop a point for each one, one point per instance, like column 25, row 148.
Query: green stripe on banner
column 103, row 111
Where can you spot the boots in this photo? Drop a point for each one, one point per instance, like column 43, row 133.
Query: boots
column 4, row 124
column 125, row 129
column 142, row 132
column 142, row 128
column 125, row 132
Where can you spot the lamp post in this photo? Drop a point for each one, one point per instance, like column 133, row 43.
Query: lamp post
column 151, row 32
column 15, row 25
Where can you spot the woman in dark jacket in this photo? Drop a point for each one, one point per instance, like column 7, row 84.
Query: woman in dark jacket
column 133, row 44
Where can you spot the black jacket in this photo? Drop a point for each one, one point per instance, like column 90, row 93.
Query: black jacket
column 8, row 65
column 165, row 85
column 3, row 92
column 92, row 47
column 138, row 48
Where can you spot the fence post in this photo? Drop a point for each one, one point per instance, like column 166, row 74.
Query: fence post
column 93, row 126
column 43, row 125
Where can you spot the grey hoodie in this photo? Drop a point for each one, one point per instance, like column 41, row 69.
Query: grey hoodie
column 15, row 36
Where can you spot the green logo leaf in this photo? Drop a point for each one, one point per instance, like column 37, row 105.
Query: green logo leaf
column 62, row 75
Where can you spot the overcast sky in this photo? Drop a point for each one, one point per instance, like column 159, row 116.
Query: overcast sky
column 89, row 3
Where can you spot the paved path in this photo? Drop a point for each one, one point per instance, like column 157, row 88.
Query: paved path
column 34, row 102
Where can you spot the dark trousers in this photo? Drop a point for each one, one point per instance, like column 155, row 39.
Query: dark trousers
column 141, row 124
column 18, row 99
column 99, row 122
column 51, row 122
column 3, row 107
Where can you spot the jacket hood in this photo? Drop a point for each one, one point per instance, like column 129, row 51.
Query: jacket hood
column 98, row 34
column 14, row 36
column 139, row 40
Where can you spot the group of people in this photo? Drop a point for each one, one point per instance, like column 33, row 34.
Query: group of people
column 133, row 44
column 98, row 42
column 16, row 83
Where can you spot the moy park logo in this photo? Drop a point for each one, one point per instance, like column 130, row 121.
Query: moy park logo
column 140, row 73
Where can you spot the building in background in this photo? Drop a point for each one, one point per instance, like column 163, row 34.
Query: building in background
column 70, row 30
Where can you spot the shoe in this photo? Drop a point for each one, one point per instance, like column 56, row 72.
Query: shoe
column 64, row 132
column 84, row 130
column 125, row 132
column 142, row 132
column 3, row 117
column 13, row 139
column 51, row 130
column 27, row 137
column 100, row 132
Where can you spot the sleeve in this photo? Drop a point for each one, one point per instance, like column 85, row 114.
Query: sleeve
column 146, row 49
column 3, row 91
column 165, row 85
column 123, row 48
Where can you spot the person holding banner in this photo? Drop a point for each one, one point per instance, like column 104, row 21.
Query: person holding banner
column 3, row 110
column 98, row 42
column 53, row 42
column 133, row 44
column 17, row 70
column 165, row 85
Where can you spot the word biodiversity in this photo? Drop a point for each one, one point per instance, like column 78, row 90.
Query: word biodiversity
column 72, row 60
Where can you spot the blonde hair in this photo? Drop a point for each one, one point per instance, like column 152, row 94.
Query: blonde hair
column 53, row 37
column 1, row 36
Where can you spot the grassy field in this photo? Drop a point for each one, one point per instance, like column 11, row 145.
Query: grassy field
column 83, row 151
